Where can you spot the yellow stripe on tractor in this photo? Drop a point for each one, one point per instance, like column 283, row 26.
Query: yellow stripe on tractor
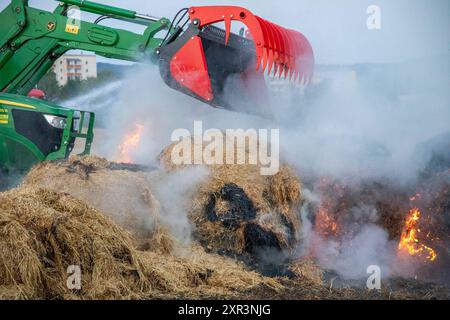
column 17, row 104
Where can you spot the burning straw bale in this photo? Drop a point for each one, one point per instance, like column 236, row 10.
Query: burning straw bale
column 42, row 232
column 344, row 207
column 239, row 211
column 117, row 190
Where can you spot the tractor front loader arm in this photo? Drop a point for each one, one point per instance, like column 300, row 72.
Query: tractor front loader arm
column 32, row 39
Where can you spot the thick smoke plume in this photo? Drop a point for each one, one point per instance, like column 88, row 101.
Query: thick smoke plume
column 348, row 133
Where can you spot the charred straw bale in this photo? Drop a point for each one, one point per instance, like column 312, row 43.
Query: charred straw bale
column 239, row 211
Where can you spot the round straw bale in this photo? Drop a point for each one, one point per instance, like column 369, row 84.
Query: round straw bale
column 124, row 195
column 237, row 210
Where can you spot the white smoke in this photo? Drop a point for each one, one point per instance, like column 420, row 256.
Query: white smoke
column 174, row 191
column 351, row 258
column 344, row 133
column 349, row 132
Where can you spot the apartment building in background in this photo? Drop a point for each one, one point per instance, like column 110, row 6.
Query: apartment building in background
column 75, row 67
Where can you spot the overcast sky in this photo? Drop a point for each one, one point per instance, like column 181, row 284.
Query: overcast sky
column 336, row 28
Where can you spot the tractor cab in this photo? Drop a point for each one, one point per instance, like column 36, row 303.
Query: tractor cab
column 34, row 130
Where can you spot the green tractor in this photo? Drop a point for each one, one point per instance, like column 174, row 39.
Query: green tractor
column 194, row 56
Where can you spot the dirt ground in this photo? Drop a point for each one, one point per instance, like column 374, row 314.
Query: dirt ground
column 396, row 289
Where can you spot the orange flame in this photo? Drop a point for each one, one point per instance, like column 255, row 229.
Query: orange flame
column 325, row 224
column 331, row 192
column 130, row 144
column 409, row 241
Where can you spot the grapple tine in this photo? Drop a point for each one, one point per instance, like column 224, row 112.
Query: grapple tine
column 270, row 45
column 292, row 52
column 265, row 60
column 275, row 69
column 285, row 49
column 266, row 42
column 299, row 50
column 273, row 44
column 305, row 56
column 227, row 21
column 281, row 57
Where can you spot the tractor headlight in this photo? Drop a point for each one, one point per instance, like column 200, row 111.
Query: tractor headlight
column 55, row 121
column 76, row 124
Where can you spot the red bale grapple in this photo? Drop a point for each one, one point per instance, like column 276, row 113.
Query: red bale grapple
column 224, row 69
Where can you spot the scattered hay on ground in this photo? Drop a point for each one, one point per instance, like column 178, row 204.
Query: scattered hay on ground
column 239, row 211
column 394, row 289
column 43, row 232
column 306, row 269
column 195, row 274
